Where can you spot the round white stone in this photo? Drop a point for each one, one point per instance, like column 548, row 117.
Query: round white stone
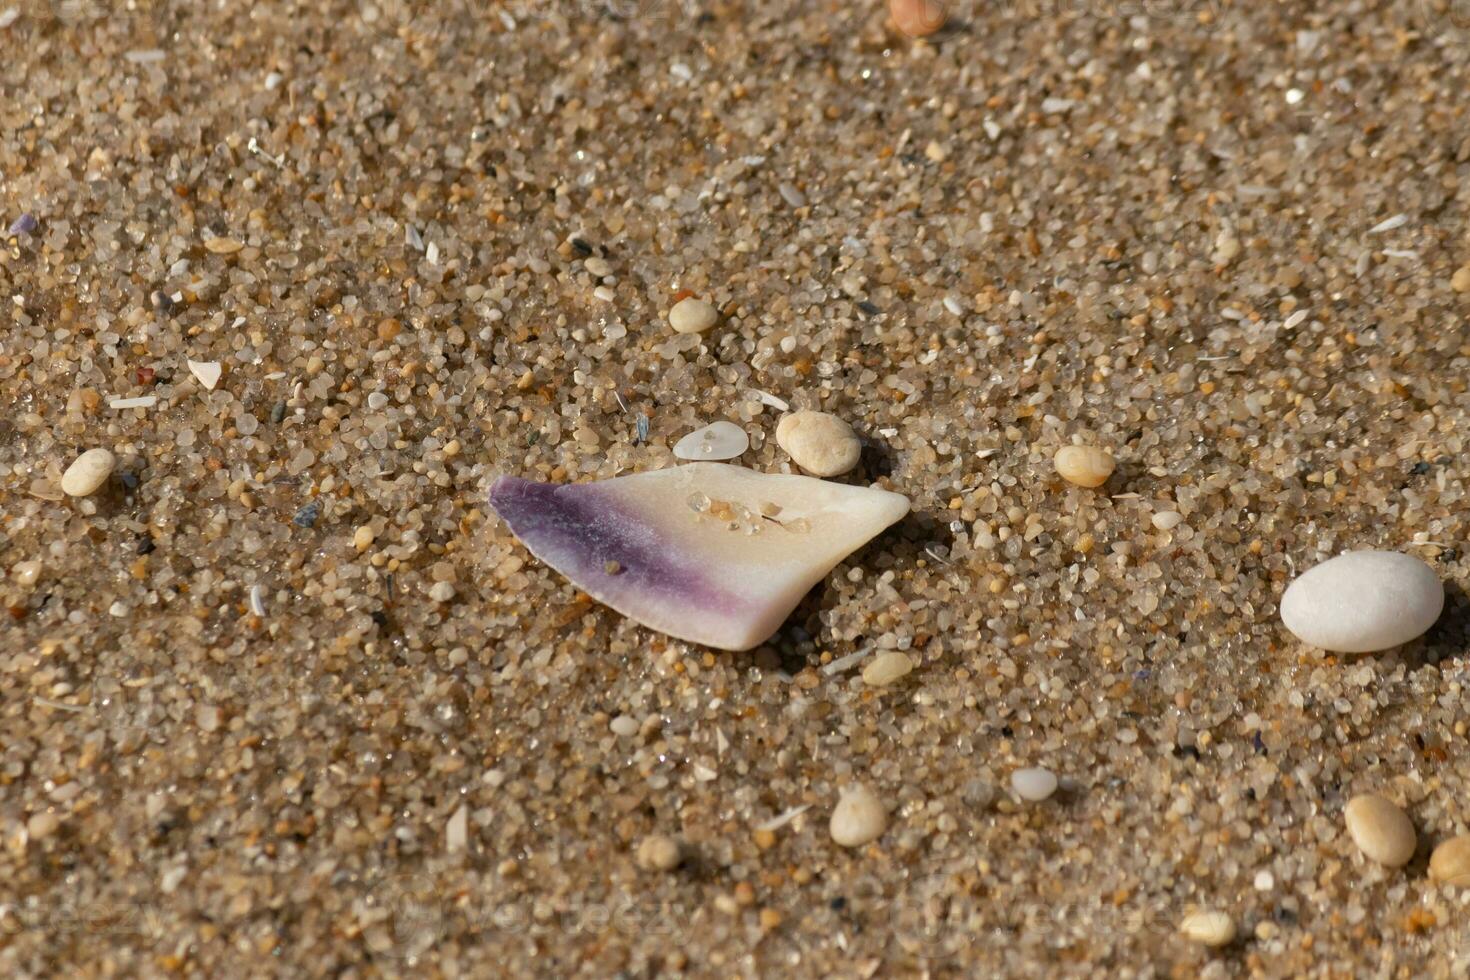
column 859, row 817
column 1034, row 784
column 692, row 315
column 1363, row 601
column 718, row 440
column 820, row 443
column 88, row 472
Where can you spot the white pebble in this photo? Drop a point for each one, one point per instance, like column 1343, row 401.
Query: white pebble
column 1167, row 520
column 692, row 315
column 1363, row 601
column 1035, row 784
column 887, row 668
column 605, row 294
column 858, row 818
column 718, row 440
column 441, row 592
column 1209, row 928
column 88, row 472
column 624, row 725
column 820, row 443
column 26, row 573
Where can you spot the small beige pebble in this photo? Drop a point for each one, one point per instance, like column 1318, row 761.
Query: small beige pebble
column 660, row 853
column 26, row 573
column 88, row 472
column 1460, row 281
column 42, row 825
column 820, row 443
column 1167, row 520
column 1086, row 466
column 1209, row 928
column 452, row 448
column 692, row 315
column 1450, row 862
column 363, row 537
column 1381, row 830
column 624, row 725
column 886, row 668
column 858, row 818
column 441, row 592
column 598, row 266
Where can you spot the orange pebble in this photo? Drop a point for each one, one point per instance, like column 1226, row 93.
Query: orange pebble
column 917, row 18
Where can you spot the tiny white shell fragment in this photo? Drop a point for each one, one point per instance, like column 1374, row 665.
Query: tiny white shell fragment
column 142, row 401
column 206, row 372
column 716, row 441
column 1167, row 520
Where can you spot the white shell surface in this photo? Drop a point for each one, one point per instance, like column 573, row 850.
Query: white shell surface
column 1363, row 601
column 713, row 442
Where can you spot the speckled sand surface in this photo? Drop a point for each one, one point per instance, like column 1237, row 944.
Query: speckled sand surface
column 239, row 735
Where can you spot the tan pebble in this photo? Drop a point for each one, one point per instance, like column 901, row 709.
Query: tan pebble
column 223, row 246
column 660, row 853
column 886, row 668
column 42, row 825
column 769, row 919
column 1381, row 830
column 858, row 818
column 363, row 537
column 917, row 18
column 1209, row 928
column 765, row 839
column 820, row 443
column 1450, row 862
column 1086, row 466
column 452, row 448
column 692, row 315
column 1460, row 281
column 599, row 267
column 88, row 472
column 389, row 328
